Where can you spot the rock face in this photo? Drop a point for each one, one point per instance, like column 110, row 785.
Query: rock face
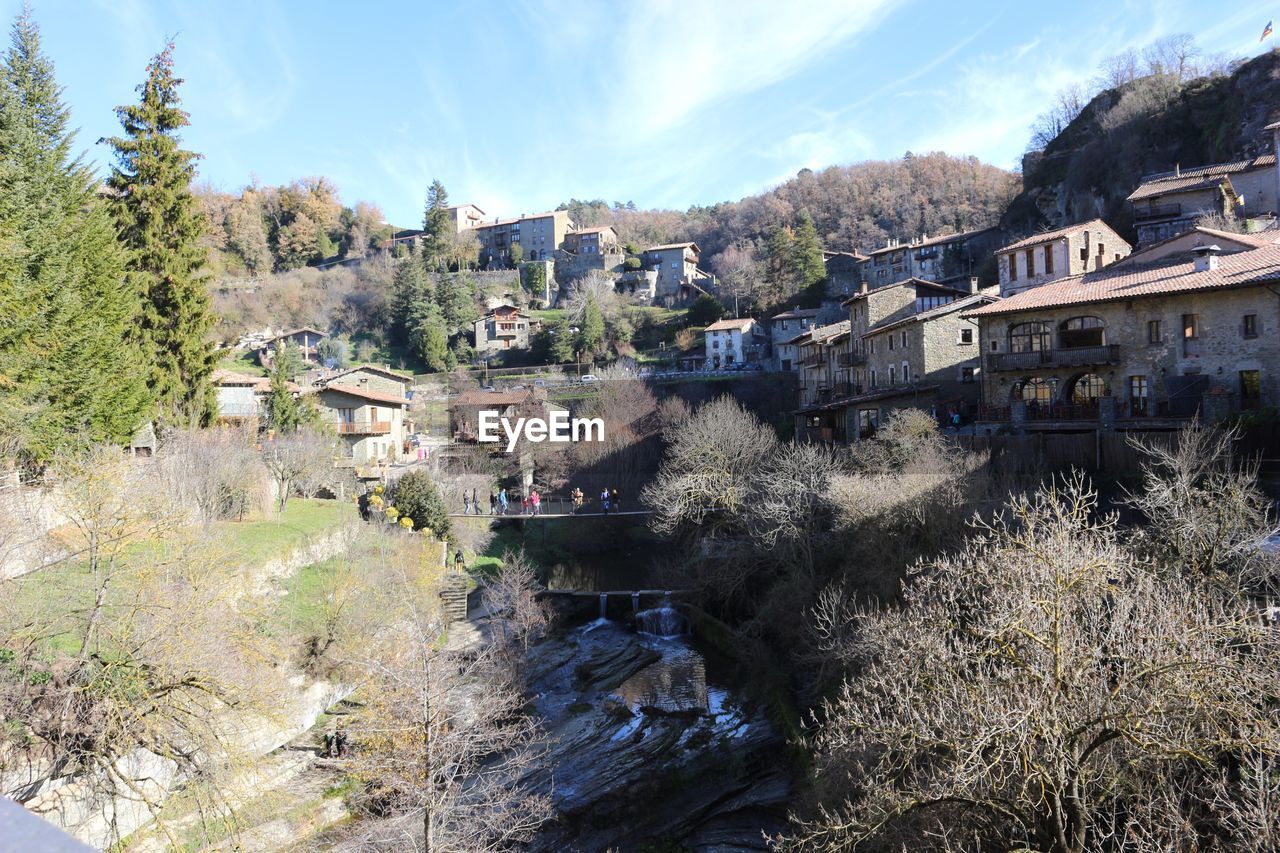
column 643, row 749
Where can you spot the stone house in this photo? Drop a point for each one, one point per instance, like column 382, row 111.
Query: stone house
column 1169, row 203
column 465, row 409
column 504, row 328
column 464, row 217
column 1186, row 327
column 679, row 278
column 844, row 272
column 939, row 258
column 784, row 328
column 1046, row 257
column 538, row 236
column 823, row 376
column 596, row 240
column 730, row 342
column 372, row 425
column 372, row 377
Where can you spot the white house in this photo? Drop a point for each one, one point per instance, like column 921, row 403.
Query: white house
column 732, row 342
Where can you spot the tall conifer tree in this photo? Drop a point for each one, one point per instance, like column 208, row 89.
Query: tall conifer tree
column 161, row 222
column 67, row 373
column 438, row 241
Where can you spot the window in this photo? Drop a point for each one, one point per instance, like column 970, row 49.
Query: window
column 346, row 416
column 995, row 345
column 872, row 381
column 904, row 340
column 784, row 324
column 1138, row 396
column 893, row 375
column 1013, row 267
column 966, row 336
column 1250, row 390
column 1034, row 390
column 1088, row 388
column 1191, row 327
column 1102, row 251
column 1250, row 325
column 967, row 373
column 891, row 343
column 1154, row 333
column 1029, row 337
column 1048, row 259
column 1031, row 263
column 871, row 346
column 867, row 422
column 906, row 372
column 1080, row 332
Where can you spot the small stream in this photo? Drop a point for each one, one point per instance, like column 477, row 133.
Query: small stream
column 651, row 743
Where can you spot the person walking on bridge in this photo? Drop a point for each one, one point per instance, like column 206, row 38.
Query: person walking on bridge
column 493, row 503
column 535, row 500
column 577, row 499
column 614, row 503
column 502, row 501
column 604, row 501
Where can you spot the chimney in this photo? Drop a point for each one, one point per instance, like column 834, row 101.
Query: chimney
column 864, row 287
column 973, row 284
column 1206, row 257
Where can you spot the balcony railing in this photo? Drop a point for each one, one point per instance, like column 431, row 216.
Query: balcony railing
column 364, row 428
column 1157, row 211
column 815, row 360
column 1072, row 357
column 851, row 359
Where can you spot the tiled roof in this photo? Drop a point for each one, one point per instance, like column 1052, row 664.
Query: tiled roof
column 1185, row 180
column 910, row 282
column 523, row 218
column 1046, row 236
column 230, row 377
column 371, row 368
column 594, row 229
column 823, row 334
column 1259, row 238
column 376, row 396
column 492, row 398
column 929, row 241
column 934, row 313
column 292, row 332
column 665, row 246
column 726, row 325
column 857, row 256
column 1175, row 274
column 797, row 314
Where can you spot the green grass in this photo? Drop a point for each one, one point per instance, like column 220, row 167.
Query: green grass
column 274, row 536
column 548, row 315
column 242, row 361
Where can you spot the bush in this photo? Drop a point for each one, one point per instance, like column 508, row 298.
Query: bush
column 705, row 310
column 631, row 264
column 417, row 497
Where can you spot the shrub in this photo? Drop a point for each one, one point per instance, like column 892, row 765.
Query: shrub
column 417, row 497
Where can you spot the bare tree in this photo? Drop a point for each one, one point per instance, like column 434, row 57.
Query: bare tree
column 708, row 471
column 511, row 594
column 741, row 273
column 298, row 460
column 1067, row 104
column 214, row 473
column 1174, row 55
column 1205, row 514
column 1047, row 690
column 442, row 742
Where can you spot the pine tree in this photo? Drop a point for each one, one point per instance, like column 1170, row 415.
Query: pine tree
column 66, row 372
column 410, row 297
column 282, row 411
column 591, row 338
column 430, row 338
column 437, row 243
column 777, row 266
column 807, row 266
column 161, row 223
column 561, row 349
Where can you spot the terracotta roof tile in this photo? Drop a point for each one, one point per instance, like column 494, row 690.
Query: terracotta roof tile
column 1200, row 177
column 1046, row 236
column 376, row 396
column 726, row 325
column 1175, row 274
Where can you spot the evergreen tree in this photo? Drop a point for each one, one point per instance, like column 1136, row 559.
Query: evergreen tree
column 417, row 497
column 455, row 294
column 66, row 371
column 561, row 348
column 591, row 337
column 437, row 243
column 411, row 296
column 777, row 265
column 282, row 411
column 430, row 339
column 161, row 223
column 807, row 266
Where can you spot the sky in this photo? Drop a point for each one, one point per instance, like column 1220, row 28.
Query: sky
column 518, row 105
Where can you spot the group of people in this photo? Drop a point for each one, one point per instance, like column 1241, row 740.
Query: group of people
column 531, row 504
column 609, row 501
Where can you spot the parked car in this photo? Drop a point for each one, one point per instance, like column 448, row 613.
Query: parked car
column 488, row 388
column 590, row 377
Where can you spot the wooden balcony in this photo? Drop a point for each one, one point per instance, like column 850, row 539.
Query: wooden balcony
column 815, row 360
column 1073, row 357
column 364, row 428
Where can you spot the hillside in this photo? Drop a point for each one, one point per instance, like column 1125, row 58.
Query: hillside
column 857, row 206
column 1149, row 125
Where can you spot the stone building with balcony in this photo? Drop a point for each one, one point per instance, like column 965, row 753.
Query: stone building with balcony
column 538, row 235
column 1189, row 327
column 1170, row 203
column 371, row 424
column 506, row 327
column 1042, row 258
column 824, row 377
column 944, row 258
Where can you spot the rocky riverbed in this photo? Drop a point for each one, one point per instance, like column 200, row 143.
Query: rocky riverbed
column 645, row 749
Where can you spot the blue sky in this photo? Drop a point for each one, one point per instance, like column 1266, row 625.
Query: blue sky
column 522, row 104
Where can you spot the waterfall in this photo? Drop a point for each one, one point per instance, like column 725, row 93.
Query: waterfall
column 604, row 606
column 663, row 620
column 635, row 603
